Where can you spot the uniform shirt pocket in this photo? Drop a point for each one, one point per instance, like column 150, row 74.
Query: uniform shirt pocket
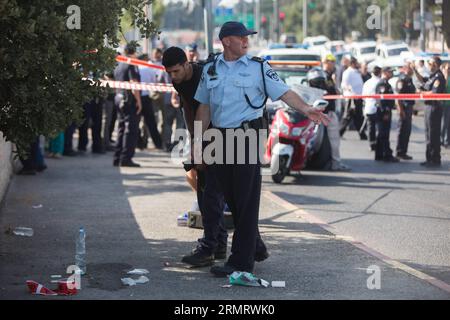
column 213, row 87
column 245, row 86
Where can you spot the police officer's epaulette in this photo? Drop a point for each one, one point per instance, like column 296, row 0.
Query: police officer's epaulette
column 260, row 60
column 211, row 58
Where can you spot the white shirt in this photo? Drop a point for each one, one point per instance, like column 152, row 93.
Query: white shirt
column 352, row 78
column 369, row 88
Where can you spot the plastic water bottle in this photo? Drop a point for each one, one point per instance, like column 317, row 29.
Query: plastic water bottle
column 80, row 254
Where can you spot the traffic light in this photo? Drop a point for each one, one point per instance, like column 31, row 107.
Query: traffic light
column 263, row 21
column 282, row 16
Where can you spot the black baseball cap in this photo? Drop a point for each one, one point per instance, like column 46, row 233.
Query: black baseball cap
column 234, row 28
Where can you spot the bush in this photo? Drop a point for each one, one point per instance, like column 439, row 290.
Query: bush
column 42, row 61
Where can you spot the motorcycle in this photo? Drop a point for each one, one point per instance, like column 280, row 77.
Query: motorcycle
column 295, row 140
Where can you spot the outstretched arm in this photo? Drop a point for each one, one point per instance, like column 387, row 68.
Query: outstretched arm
column 295, row 101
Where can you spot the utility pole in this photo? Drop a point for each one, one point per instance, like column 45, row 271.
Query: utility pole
column 422, row 25
column 147, row 42
column 276, row 22
column 207, row 18
column 305, row 18
column 389, row 26
column 257, row 17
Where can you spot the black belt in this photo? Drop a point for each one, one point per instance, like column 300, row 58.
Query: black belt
column 258, row 123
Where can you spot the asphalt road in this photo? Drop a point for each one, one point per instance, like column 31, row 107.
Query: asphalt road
column 130, row 218
column 401, row 210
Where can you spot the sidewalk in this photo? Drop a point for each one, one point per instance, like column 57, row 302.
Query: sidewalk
column 130, row 218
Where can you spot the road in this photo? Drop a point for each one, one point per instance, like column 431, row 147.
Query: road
column 401, row 210
column 130, row 214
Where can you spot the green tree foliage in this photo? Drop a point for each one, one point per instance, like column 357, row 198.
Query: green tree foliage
column 341, row 17
column 42, row 61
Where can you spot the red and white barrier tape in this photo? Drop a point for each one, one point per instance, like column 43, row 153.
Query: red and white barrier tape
column 155, row 87
column 167, row 87
column 403, row 96
column 137, row 62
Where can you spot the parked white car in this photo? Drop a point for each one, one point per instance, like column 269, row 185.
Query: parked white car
column 393, row 53
column 364, row 51
column 336, row 46
column 317, row 43
column 393, row 49
column 293, row 54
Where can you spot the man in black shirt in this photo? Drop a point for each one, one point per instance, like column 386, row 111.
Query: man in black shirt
column 185, row 78
column 384, row 117
column 128, row 104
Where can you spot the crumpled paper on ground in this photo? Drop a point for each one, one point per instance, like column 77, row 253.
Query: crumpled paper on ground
column 247, row 279
column 138, row 271
column 132, row 282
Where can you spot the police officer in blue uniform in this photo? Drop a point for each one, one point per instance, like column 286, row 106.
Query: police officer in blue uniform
column 232, row 93
column 433, row 112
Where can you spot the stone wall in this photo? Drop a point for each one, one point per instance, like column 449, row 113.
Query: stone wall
column 6, row 165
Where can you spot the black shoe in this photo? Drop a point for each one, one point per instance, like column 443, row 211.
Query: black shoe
column 27, row 172
column 130, row 164
column 116, row 163
column 430, row 164
column 41, row 168
column 373, row 147
column 222, row 271
column 404, row 157
column 199, row 258
column 363, row 136
column 69, row 153
column 391, row 159
column 220, row 253
column 261, row 256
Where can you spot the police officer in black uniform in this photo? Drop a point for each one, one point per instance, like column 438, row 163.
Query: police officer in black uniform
column 384, row 117
column 433, row 111
column 128, row 105
column 405, row 110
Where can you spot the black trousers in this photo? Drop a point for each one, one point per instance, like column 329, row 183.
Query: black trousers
column 171, row 114
column 355, row 114
column 372, row 125
column 150, row 121
column 445, row 131
column 433, row 118
column 212, row 204
column 112, row 124
column 128, row 128
column 383, row 150
column 92, row 114
column 35, row 158
column 404, row 131
column 68, row 137
column 241, row 186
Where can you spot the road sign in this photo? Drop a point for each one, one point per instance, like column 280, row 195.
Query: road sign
column 248, row 20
